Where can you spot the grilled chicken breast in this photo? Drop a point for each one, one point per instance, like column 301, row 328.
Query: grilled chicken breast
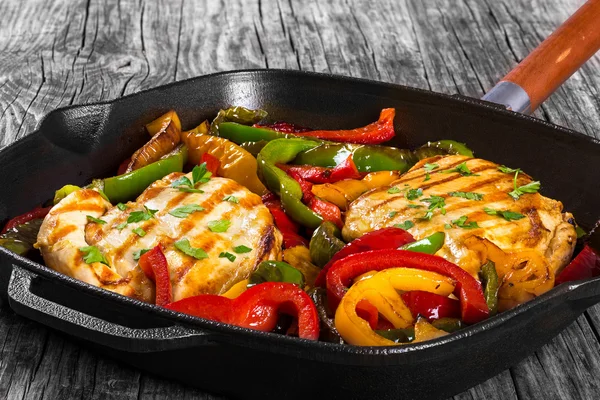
column 250, row 224
column 528, row 252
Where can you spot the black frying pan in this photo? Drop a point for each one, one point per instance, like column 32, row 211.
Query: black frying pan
column 75, row 144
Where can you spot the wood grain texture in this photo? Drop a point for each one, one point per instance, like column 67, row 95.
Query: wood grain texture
column 58, row 53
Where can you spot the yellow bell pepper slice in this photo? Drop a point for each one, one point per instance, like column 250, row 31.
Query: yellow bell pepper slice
column 425, row 331
column 299, row 258
column 381, row 290
column 162, row 122
column 236, row 289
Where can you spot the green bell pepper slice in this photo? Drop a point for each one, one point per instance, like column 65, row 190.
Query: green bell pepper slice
column 64, row 192
column 237, row 115
column 277, row 181
column 428, row 245
column 324, row 243
column 489, row 280
column 442, row 147
column 125, row 187
column 239, row 133
column 276, row 271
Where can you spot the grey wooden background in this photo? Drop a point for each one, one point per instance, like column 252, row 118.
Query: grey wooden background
column 57, row 53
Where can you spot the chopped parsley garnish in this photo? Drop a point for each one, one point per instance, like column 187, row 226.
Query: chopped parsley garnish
column 122, row 226
column 183, row 181
column 139, row 231
column 122, row 207
column 219, row 226
column 508, row 170
column 231, row 199
column 414, row 194
column 447, row 226
column 91, row 254
column 184, row 211
column 189, row 190
column 227, row 255
column 435, row 202
column 199, row 175
column 414, row 206
column 427, row 177
column 393, row 190
column 467, row 195
column 96, row 220
column 392, row 214
column 137, row 254
column 242, row 249
column 139, row 216
column 507, row 215
column 430, row 167
column 462, row 223
column 531, row 187
column 406, row 225
column 184, row 246
column 461, row 169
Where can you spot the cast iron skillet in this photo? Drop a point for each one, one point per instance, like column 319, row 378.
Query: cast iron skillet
column 75, row 144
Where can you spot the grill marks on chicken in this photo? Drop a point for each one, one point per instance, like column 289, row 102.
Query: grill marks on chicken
column 543, row 230
column 250, row 221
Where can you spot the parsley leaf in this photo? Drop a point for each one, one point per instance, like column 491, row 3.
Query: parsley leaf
column 435, row 202
column 122, row 207
column 231, row 199
column 185, row 247
column 139, row 231
column 91, row 254
column 507, row 215
column 447, row 226
column 137, row 254
column 414, row 206
column 189, row 190
column 467, row 195
column 392, row 214
column 508, row 170
column 406, row 225
column 531, row 187
column 393, row 190
column 462, row 223
column 430, row 167
column 184, row 211
column 200, row 174
column 219, row 226
column 461, row 169
column 183, row 181
column 427, row 177
column 227, row 255
column 139, row 216
column 121, row 226
column 414, row 194
column 96, row 220
column 242, row 249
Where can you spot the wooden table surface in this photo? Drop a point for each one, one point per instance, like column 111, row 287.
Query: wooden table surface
column 57, row 53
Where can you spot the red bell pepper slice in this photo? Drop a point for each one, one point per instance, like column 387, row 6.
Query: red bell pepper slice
column 313, row 174
column 329, row 211
column 386, row 238
column 155, row 266
column 123, row 166
column 257, row 308
column 375, row 133
column 430, row 305
column 472, row 301
column 284, row 127
column 584, row 266
column 288, row 228
column 212, row 163
column 36, row 213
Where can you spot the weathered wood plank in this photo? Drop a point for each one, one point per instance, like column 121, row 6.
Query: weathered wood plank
column 62, row 53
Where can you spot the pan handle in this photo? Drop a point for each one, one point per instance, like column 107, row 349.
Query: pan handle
column 28, row 304
column 536, row 77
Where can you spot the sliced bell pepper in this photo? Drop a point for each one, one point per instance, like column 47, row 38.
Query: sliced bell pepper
column 161, row 123
column 237, row 115
column 277, row 181
column 325, row 242
column 64, row 192
column 257, row 308
column 584, row 266
column 428, row 245
column 36, row 213
column 328, row 211
column 299, row 258
column 212, row 163
column 20, row 238
column 472, row 301
column 236, row 289
column 276, row 271
column 489, row 280
column 426, row 331
column 430, row 305
column 288, row 228
column 442, row 147
column 125, row 187
column 381, row 291
column 285, row 127
column 344, row 170
column 328, row 332
column 375, row 133
column 155, row 266
column 386, row 238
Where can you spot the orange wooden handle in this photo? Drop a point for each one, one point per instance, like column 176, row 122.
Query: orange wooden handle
column 560, row 55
